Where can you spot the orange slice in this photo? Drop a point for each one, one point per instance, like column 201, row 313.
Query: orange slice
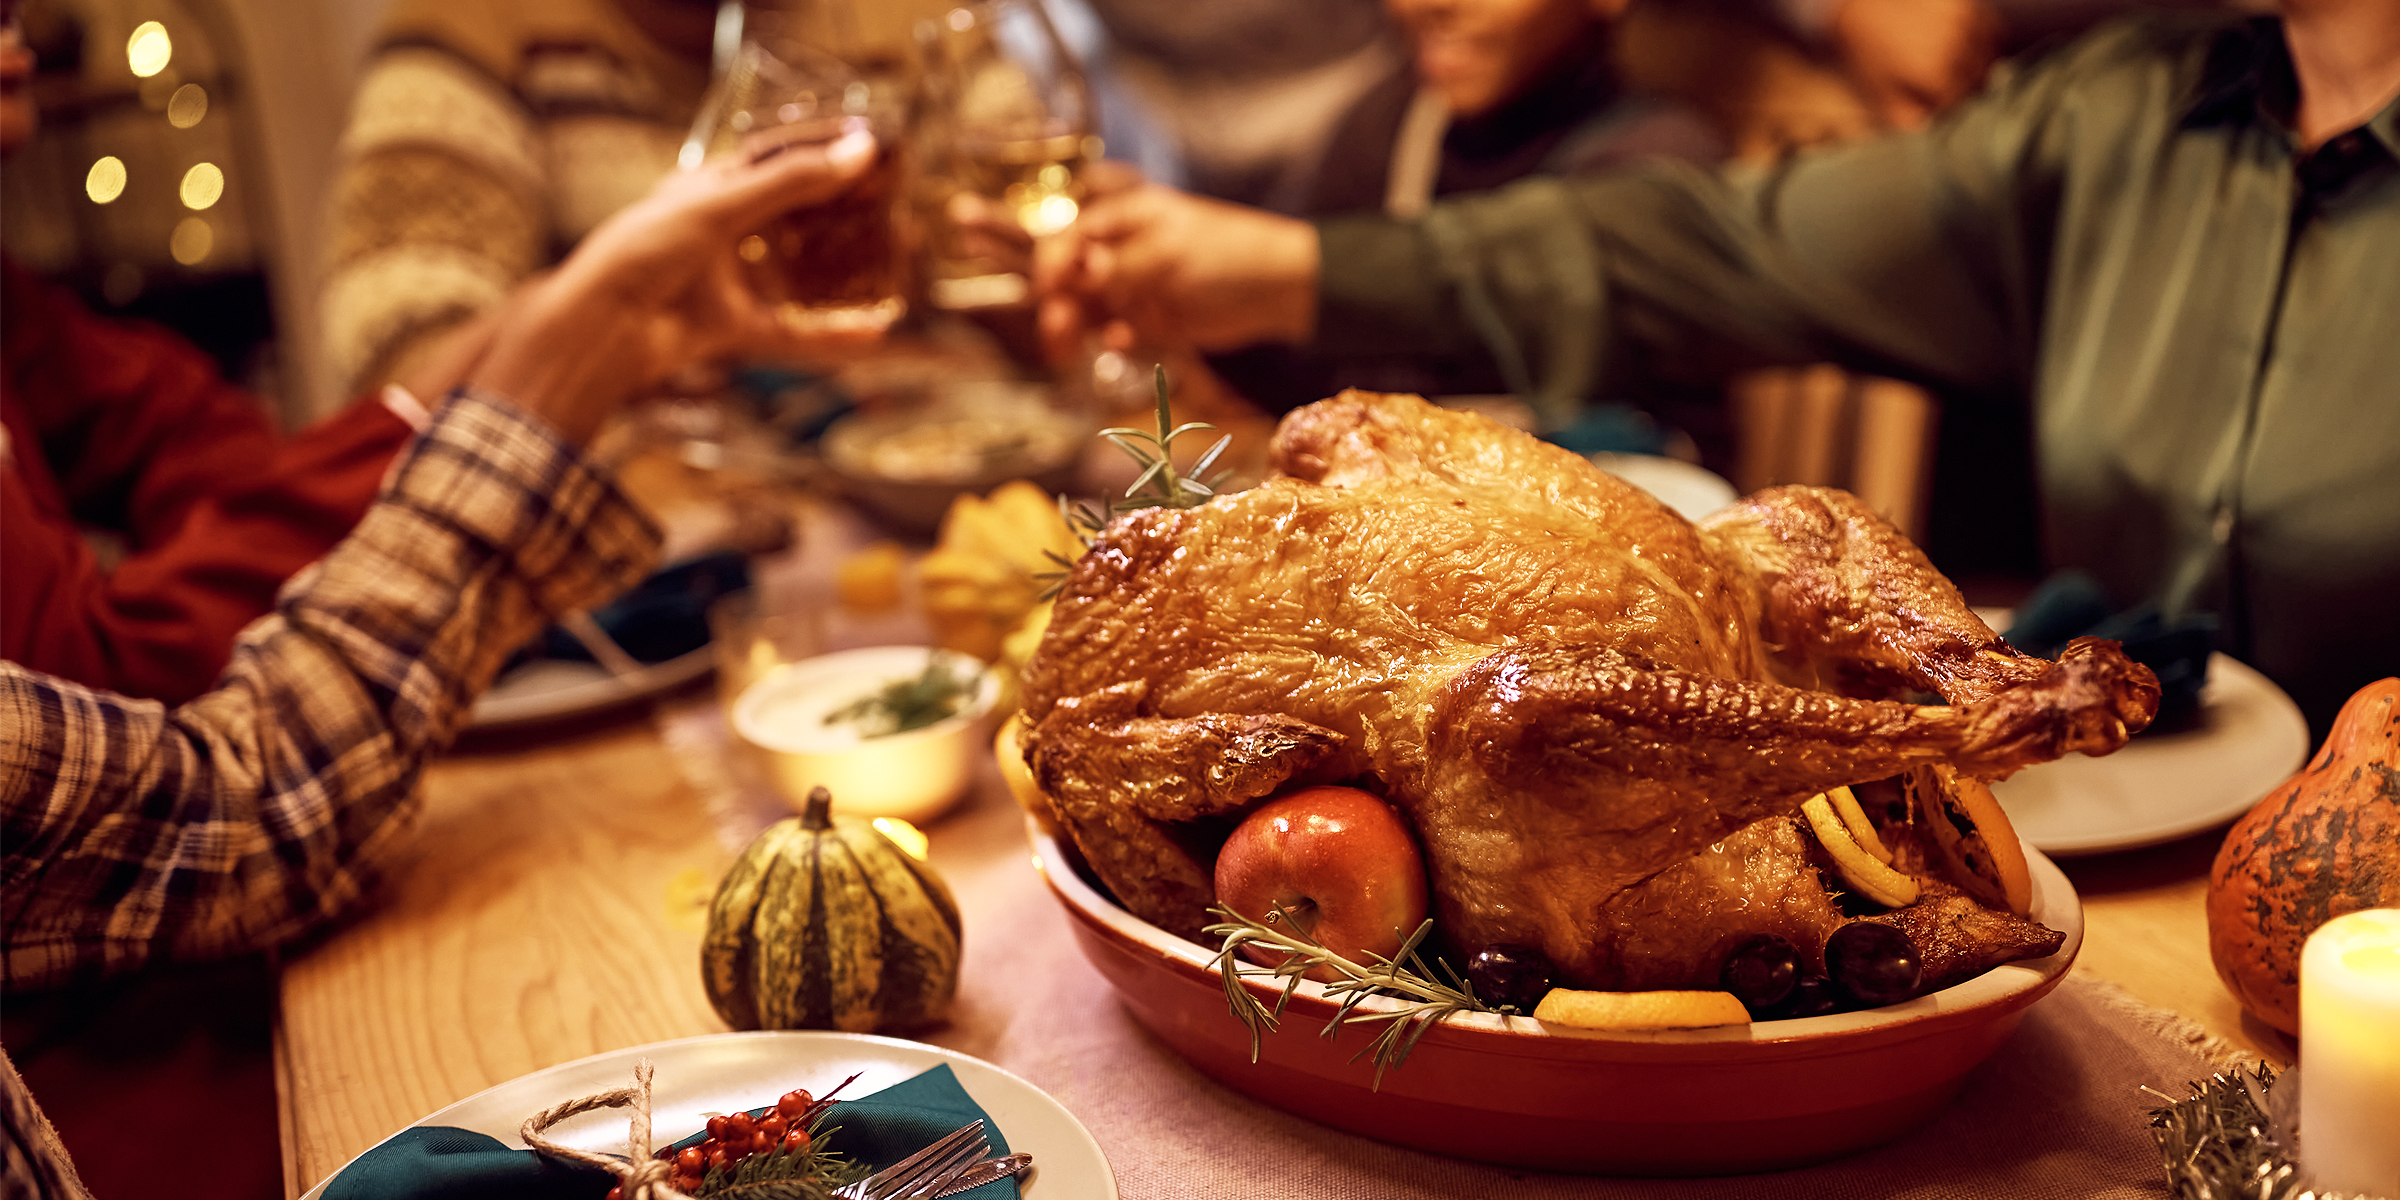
column 1854, row 819
column 1978, row 846
column 1640, row 1010
column 1859, row 869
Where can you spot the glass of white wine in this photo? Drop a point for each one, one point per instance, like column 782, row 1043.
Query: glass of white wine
column 1010, row 121
column 841, row 265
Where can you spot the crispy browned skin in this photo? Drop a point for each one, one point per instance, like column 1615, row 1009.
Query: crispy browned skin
column 1562, row 683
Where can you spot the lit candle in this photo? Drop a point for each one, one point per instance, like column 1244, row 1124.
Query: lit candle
column 2350, row 1053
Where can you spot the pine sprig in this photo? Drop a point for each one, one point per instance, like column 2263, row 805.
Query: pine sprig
column 1159, row 485
column 1425, row 1000
column 2232, row 1137
column 778, row 1174
column 809, row 1174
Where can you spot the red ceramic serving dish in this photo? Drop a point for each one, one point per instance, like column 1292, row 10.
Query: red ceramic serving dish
column 1514, row 1091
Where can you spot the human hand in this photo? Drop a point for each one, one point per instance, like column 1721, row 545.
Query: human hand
column 1153, row 266
column 658, row 286
column 1914, row 58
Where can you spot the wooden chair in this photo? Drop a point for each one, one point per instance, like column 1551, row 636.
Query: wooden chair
column 1823, row 425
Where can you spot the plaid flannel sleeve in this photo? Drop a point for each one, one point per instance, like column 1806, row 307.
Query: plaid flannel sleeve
column 241, row 819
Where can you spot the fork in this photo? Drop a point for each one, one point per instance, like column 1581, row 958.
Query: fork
column 924, row 1173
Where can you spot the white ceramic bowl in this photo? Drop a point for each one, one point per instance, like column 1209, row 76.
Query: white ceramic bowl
column 914, row 776
column 1720, row 1101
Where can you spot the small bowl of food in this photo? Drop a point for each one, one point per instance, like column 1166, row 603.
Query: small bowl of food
column 889, row 730
column 907, row 465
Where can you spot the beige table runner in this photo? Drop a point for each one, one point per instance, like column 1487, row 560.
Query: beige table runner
column 2057, row 1112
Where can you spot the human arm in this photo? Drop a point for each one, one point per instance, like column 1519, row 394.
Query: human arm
column 245, row 816
column 127, row 428
column 129, row 830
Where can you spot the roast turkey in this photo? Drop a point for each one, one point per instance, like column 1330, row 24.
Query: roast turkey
column 1567, row 688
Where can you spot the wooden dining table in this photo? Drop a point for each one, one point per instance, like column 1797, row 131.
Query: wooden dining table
column 552, row 901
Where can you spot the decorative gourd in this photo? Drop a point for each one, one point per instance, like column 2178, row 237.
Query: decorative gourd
column 824, row 923
column 2323, row 843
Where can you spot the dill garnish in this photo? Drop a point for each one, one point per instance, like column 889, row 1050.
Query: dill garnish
column 906, row 704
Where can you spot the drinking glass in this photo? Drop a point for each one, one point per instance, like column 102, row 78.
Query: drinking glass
column 1009, row 117
column 837, row 266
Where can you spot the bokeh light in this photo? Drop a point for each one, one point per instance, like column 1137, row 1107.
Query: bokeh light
column 191, row 241
column 106, row 180
column 187, row 106
column 148, row 50
column 203, row 185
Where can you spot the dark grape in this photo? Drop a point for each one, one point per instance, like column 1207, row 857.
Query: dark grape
column 1760, row 971
column 1812, row 996
column 1873, row 963
column 1510, row 975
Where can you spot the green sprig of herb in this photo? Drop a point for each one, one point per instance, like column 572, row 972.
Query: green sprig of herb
column 810, row 1174
column 1159, row 485
column 906, row 704
column 1405, row 977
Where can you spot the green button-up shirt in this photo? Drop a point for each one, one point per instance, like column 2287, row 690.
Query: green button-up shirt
column 2204, row 320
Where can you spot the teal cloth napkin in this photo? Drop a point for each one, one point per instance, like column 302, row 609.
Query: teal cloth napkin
column 441, row 1163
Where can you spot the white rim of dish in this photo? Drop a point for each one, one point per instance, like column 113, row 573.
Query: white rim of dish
column 597, row 694
column 2055, row 904
column 986, row 694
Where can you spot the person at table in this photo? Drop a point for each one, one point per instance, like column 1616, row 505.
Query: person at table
column 2171, row 242
column 132, row 832
column 1498, row 90
column 123, row 427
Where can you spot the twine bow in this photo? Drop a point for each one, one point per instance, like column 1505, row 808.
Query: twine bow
column 644, row 1177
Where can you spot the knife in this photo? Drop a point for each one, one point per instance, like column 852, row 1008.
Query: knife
column 986, row 1171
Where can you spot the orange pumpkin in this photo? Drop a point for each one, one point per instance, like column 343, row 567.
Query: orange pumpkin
column 2323, row 843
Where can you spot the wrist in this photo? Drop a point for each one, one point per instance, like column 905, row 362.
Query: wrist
column 560, row 361
column 1295, row 261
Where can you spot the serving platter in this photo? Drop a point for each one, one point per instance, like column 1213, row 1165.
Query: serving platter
column 725, row 1072
column 1514, row 1091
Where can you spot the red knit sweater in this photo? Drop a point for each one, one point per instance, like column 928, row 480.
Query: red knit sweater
column 122, row 426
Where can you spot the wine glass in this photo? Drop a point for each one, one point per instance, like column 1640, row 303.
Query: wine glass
column 1009, row 121
column 837, row 266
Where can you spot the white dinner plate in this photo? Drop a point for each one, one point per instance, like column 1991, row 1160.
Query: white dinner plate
column 1690, row 489
column 2249, row 737
column 723, row 1072
column 549, row 689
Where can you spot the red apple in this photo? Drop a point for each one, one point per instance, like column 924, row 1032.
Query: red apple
column 1339, row 861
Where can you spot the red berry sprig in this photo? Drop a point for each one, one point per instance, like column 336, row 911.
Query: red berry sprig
column 734, row 1137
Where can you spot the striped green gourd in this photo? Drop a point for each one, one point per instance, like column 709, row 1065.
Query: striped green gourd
column 824, row 923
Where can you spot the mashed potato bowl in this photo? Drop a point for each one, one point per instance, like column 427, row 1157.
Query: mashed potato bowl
column 1513, row 1091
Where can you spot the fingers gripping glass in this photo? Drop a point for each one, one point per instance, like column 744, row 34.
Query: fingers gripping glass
column 835, row 266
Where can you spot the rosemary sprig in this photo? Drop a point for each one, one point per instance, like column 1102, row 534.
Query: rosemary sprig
column 1159, row 485
column 1424, row 1000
